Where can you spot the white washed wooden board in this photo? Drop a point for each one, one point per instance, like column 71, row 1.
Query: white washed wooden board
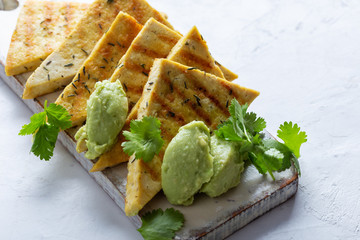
column 207, row 218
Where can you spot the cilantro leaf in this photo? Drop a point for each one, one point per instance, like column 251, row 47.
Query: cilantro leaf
column 292, row 137
column 267, row 155
column 58, row 116
column 44, row 141
column 144, row 138
column 238, row 113
column 284, row 150
column 257, row 159
column 234, row 128
column 253, row 123
column 36, row 121
column 160, row 225
column 45, row 127
column 226, row 131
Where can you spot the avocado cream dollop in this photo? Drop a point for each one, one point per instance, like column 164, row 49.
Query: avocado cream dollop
column 107, row 110
column 228, row 166
column 187, row 163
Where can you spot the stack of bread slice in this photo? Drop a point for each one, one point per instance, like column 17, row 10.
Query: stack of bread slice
column 164, row 74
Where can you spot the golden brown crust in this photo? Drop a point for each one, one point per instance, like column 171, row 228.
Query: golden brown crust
column 155, row 40
column 229, row 75
column 81, row 42
column 98, row 66
column 192, row 50
column 178, row 95
column 40, row 28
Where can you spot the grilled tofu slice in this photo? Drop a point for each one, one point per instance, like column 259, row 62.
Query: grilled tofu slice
column 80, row 43
column 192, row 50
column 177, row 95
column 98, row 66
column 40, row 28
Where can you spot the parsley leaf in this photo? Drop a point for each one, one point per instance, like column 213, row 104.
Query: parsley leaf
column 45, row 127
column 160, row 225
column 267, row 155
column 144, row 138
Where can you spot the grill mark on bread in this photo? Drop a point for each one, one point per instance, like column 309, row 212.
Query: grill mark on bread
column 49, row 21
column 134, row 67
column 205, row 64
column 147, row 169
column 144, row 50
column 133, row 87
column 193, row 106
column 77, row 105
column 30, row 31
column 166, row 108
column 99, row 12
column 164, row 38
column 204, row 89
column 168, row 78
column 69, row 16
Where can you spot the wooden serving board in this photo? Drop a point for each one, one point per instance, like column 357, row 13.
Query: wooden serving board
column 207, row 218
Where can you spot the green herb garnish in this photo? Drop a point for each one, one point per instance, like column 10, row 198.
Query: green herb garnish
column 161, row 225
column 144, row 138
column 267, row 155
column 45, row 127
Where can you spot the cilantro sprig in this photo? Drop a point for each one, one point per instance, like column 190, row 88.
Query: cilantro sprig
column 144, row 138
column 161, row 225
column 45, row 127
column 267, row 155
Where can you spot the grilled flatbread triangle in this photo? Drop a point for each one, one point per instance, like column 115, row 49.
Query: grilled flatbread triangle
column 98, row 66
column 40, row 28
column 176, row 95
column 155, row 40
column 229, row 75
column 80, row 43
column 192, row 50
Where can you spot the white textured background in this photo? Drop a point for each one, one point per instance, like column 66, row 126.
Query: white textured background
column 304, row 58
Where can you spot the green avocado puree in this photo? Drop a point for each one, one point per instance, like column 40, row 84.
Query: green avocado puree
column 228, row 167
column 107, row 110
column 187, row 163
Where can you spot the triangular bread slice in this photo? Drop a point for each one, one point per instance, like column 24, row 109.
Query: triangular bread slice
column 176, row 95
column 40, row 28
column 155, row 40
column 71, row 54
column 99, row 66
column 192, row 50
column 229, row 75
column 197, row 56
